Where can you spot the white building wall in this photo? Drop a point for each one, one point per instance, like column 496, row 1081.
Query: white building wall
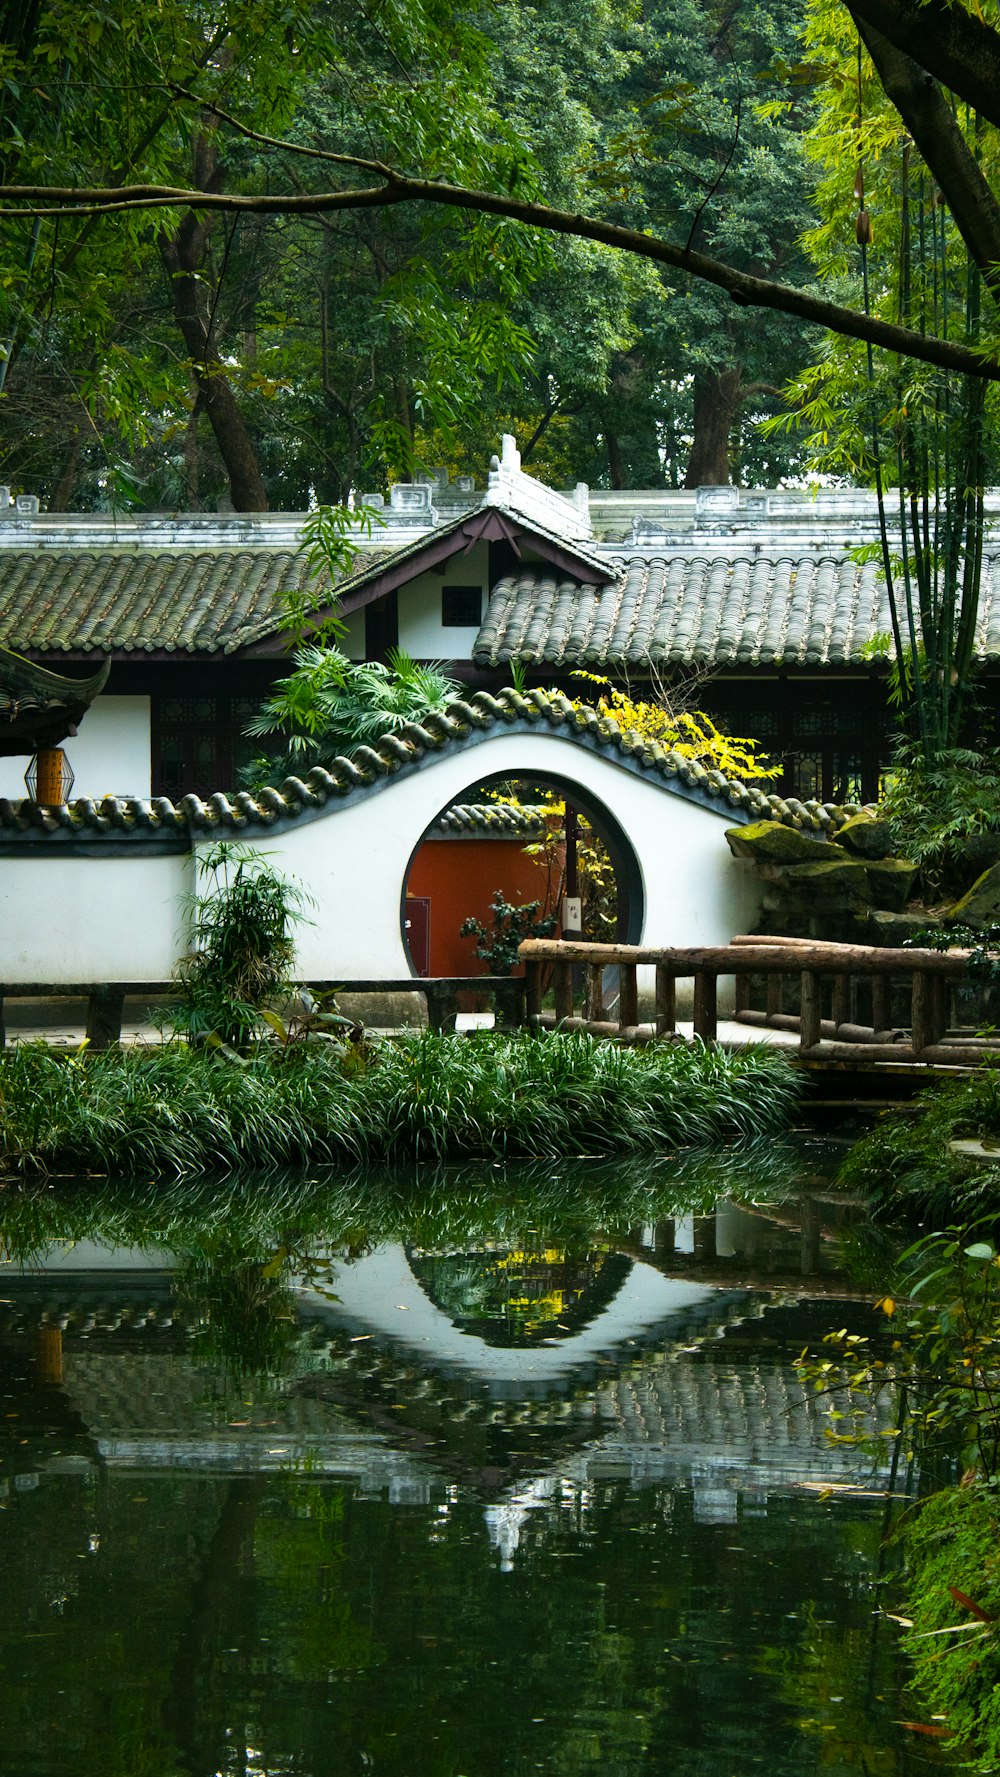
column 110, row 755
column 64, row 917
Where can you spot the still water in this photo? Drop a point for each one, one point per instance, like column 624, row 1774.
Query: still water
column 491, row 1473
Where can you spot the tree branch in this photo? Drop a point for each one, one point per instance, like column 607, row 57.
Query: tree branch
column 928, row 117
column 399, row 188
column 954, row 45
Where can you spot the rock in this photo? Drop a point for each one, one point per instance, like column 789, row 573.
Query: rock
column 865, row 837
column 838, row 882
column 890, row 882
column 981, row 906
column 771, row 842
column 891, row 930
column 981, row 851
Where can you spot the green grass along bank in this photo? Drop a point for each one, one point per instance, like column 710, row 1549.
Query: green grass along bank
column 169, row 1110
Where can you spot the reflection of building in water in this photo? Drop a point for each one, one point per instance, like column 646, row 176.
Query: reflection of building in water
column 659, row 1381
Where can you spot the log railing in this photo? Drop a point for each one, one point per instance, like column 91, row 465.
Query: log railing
column 820, row 972
column 105, row 1000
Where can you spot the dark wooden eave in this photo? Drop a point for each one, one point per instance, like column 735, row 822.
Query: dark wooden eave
column 39, row 708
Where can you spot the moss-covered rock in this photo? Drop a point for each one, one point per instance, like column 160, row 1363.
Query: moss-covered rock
column 981, row 906
column 890, row 882
column 838, row 882
column 771, row 842
column 865, row 837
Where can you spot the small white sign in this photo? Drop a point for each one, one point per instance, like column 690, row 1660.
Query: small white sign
column 572, row 914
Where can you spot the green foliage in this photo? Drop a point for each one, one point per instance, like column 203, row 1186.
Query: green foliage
column 241, row 948
column 952, row 1546
column 171, row 1110
column 934, row 805
column 904, row 1166
column 331, row 705
column 510, row 924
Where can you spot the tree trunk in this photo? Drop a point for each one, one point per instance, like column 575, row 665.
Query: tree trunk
column 183, row 255
column 716, row 401
column 616, row 468
column 69, row 474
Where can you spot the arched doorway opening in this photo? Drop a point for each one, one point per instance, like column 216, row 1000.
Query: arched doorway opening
column 514, row 834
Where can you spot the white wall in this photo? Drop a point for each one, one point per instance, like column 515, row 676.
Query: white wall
column 421, row 631
column 64, row 917
column 110, row 755
column 68, row 918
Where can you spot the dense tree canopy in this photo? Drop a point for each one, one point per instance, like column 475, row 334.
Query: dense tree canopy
column 356, row 284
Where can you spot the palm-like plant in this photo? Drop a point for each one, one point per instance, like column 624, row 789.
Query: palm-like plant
column 332, row 705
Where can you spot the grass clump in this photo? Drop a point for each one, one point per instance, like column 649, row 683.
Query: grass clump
column 173, row 1111
column 952, row 1545
column 904, row 1166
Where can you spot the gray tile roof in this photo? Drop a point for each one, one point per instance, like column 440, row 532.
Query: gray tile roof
column 184, row 601
column 802, row 609
column 492, row 820
column 460, row 725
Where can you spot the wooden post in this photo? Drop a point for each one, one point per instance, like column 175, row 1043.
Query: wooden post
column 666, row 1002
column 442, row 1007
column 104, row 1016
column 533, row 992
column 775, row 986
column 942, row 1006
column 840, row 1009
column 706, row 1018
column 628, row 996
column 741, row 994
column 595, row 992
column 925, row 1011
column 882, row 1002
column 809, row 1013
column 564, row 990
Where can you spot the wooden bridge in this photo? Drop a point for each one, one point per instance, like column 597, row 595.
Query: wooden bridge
column 850, row 1004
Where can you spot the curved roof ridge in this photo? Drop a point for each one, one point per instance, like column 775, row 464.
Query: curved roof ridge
column 461, row 723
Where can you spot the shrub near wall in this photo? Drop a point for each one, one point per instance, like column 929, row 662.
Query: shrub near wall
column 171, row 1110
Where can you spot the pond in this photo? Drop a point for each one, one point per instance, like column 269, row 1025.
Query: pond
column 489, row 1473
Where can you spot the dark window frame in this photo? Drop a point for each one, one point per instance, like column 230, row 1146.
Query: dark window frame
column 455, row 615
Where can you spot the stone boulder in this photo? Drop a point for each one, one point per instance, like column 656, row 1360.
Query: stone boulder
column 770, row 842
column 865, row 837
column 835, row 883
column 981, row 906
column 890, row 881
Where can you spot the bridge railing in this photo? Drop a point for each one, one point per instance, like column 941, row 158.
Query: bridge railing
column 819, row 980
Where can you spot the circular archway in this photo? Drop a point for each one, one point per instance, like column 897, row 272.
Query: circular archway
column 459, row 863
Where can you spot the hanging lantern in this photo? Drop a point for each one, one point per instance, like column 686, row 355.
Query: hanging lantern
column 50, row 777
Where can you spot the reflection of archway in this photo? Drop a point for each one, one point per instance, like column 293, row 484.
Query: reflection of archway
column 512, row 1298
column 450, row 883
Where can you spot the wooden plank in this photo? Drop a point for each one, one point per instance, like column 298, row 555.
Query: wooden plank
column 666, row 1003
column 809, row 1016
column 706, row 1018
column 628, row 996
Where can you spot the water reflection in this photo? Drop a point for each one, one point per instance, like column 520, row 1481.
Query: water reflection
column 490, row 1475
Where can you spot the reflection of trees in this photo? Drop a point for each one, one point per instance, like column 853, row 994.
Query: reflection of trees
column 242, row 1308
